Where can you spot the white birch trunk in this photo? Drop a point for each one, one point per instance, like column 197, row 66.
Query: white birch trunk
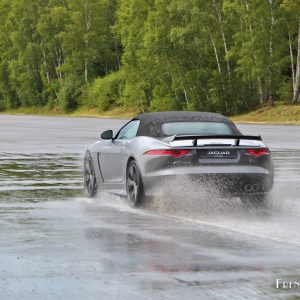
column 297, row 76
column 186, row 98
column 88, row 23
column 259, row 84
column 117, row 52
column 46, row 67
column 292, row 63
column 58, row 65
column 270, row 66
column 216, row 52
column 224, row 41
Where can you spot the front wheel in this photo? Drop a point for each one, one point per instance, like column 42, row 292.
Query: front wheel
column 90, row 184
column 254, row 200
column 134, row 185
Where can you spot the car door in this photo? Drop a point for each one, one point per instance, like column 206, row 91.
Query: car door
column 113, row 156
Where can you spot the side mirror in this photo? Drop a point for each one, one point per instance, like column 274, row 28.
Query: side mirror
column 107, row 135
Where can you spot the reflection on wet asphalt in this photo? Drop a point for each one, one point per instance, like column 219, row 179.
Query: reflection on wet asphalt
column 47, row 175
column 57, row 244
column 287, row 165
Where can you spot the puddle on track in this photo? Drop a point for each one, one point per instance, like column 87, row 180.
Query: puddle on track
column 52, row 234
column 36, row 173
column 39, row 178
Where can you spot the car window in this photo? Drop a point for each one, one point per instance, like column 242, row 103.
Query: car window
column 129, row 131
column 196, row 128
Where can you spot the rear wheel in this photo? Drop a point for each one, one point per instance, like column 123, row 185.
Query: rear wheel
column 134, row 185
column 90, row 184
column 254, row 200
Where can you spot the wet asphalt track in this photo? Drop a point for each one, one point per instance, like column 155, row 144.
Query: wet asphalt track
column 56, row 244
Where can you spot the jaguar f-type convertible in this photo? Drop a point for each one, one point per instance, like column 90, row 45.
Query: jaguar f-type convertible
column 154, row 148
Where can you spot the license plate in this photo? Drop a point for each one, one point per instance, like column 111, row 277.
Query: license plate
column 217, row 153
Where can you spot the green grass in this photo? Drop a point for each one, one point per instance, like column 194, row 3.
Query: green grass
column 118, row 112
column 281, row 113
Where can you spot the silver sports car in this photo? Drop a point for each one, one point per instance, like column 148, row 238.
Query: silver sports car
column 154, row 148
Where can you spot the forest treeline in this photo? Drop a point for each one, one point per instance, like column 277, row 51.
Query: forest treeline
column 217, row 55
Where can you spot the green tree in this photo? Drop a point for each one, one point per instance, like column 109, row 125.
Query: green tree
column 292, row 18
column 219, row 55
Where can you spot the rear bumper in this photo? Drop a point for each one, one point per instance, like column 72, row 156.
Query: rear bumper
column 231, row 184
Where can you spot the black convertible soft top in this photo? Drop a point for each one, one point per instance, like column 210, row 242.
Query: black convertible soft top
column 151, row 122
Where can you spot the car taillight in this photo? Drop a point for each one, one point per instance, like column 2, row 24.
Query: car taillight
column 169, row 152
column 258, row 152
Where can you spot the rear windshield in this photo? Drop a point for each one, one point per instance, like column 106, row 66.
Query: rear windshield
column 196, row 128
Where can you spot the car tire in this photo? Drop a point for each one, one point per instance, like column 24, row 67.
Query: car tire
column 134, row 185
column 254, row 200
column 90, row 183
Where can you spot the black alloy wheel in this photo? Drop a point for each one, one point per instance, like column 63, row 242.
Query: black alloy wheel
column 90, row 184
column 134, row 185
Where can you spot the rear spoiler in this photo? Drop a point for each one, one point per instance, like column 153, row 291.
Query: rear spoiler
column 197, row 137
